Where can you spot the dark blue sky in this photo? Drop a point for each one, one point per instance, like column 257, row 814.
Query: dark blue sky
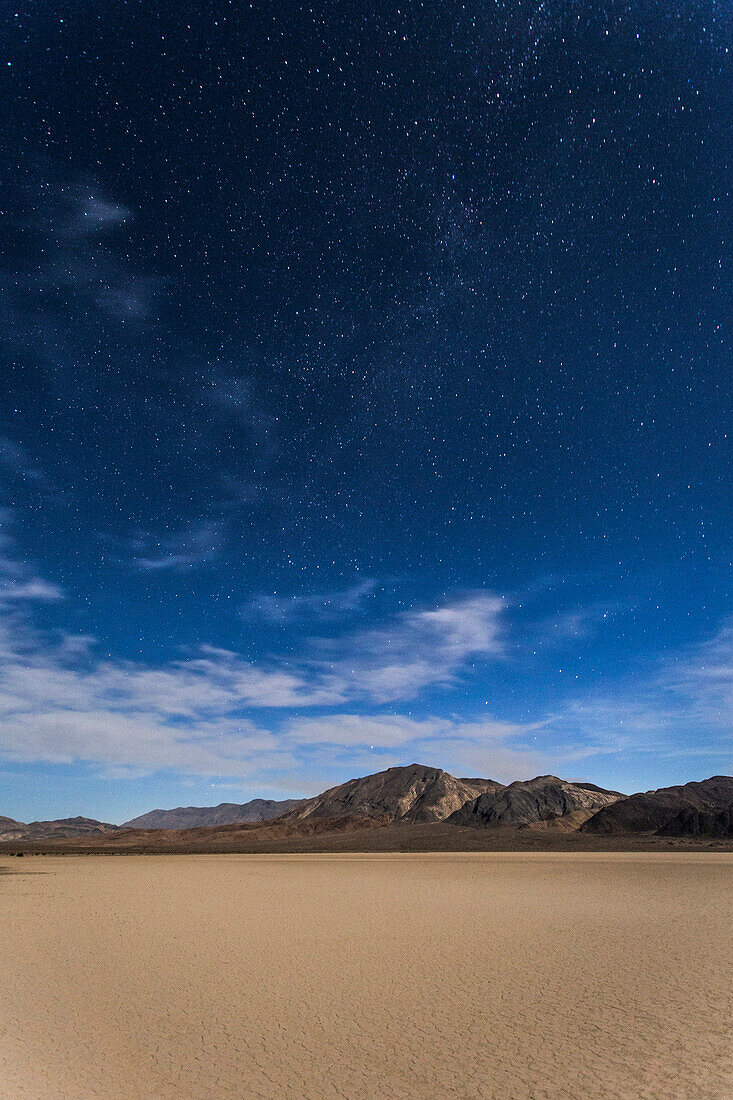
column 366, row 396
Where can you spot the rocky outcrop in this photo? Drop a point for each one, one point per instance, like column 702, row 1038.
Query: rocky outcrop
column 703, row 823
column 543, row 799
column 10, row 829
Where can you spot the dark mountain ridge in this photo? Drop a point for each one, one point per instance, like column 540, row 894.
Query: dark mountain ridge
column 700, row 823
column 650, row 811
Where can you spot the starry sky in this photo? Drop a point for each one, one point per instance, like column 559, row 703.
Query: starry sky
column 365, row 396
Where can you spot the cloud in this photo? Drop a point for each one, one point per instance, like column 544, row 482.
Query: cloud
column 80, row 263
column 58, row 703
column 191, row 546
column 141, row 742
column 76, row 276
column 704, row 677
column 18, row 583
column 320, row 714
column 578, row 623
column 364, row 743
column 392, row 730
column 92, row 213
column 62, row 702
column 33, row 588
column 682, row 707
column 330, row 605
column 419, row 649
column 16, row 459
column 233, row 393
column 230, row 395
column 365, row 731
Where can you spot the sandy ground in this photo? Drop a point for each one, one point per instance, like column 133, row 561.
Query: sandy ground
column 512, row 976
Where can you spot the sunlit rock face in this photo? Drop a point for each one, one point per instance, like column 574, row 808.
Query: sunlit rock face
column 415, row 793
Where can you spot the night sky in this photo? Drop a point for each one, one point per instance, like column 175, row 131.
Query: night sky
column 365, row 396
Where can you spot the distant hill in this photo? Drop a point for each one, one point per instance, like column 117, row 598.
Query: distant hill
column 202, row 837
column 653, row 810
column 10, row 829
column 65, row 828
column 702, row 823
column 226, row 813
column 413, row 794
column 543, row 799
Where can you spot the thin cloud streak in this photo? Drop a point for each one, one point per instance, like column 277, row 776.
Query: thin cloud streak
column 326, row 606
column 193, row 546
column 19, row 584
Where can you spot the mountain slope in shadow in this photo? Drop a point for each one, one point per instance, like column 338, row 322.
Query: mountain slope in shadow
column 651, row 811
column 543, row 799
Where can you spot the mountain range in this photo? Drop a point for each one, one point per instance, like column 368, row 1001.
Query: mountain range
column 417, row 795
column 63, row 828
column 226, row 813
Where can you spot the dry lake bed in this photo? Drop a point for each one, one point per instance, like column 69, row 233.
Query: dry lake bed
column 542, row 976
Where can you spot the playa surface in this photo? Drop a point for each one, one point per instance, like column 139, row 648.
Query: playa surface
column 524, row 975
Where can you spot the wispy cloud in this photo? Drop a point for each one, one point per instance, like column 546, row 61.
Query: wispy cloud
column 18, row 583
column 230, row 394
column 682, row 706
column 354, row 744
column 576, row 623
column 62, row 702
column 13, row 589
column 364, row 731
column 16, row 458
column 418, row 649
column 501, row 750
column 76, row 277
column 704, row 676
column 228, row 391
column 92, row 213
column 62, row 705
column 330, row 605
column 179, row 550
column 72, row 221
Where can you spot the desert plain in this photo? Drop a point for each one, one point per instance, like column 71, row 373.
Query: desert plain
column 550, row 976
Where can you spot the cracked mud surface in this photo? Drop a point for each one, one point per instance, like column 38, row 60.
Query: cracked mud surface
column 522, row 976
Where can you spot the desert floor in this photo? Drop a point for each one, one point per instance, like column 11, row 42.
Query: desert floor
column 513, row 976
